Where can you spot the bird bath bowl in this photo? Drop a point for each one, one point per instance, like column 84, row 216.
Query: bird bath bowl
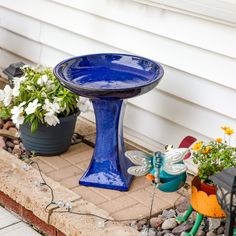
column 108, row 79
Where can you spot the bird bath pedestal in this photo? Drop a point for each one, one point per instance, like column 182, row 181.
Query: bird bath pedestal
column 108, row 79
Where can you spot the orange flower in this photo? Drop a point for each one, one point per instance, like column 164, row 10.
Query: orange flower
column 229, row 131
column 197, row 146
column 206, row 150
column 219, row 140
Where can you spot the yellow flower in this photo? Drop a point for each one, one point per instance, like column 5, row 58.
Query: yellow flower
column 219, row 140
column 197, row 146
column 229, row 131
column 225, row 127
column 206, row 150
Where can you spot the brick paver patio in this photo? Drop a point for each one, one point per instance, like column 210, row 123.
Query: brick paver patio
column 69, row 167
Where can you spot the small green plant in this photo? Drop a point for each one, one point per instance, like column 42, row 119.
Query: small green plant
column 38, row 97
column 214, row 156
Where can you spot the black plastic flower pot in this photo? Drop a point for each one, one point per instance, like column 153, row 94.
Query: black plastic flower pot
column 49, row 140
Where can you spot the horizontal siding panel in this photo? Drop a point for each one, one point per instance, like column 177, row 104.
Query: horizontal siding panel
column 190, row 59
column 182, row 112
column 186, row 28
column 75, row 44
column 175, row 82
column 20, row 24
column 156, row 128
column 199, row 91
column 19, row 45
column 51, row 56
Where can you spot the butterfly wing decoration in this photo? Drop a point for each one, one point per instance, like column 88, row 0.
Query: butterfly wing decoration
column 142, row 163
column 173, row 161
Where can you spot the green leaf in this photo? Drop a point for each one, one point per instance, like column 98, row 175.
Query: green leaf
column 34, row 125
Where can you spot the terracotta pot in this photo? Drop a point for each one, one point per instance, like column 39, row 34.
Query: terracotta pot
column 209, row 189
column 205, row 202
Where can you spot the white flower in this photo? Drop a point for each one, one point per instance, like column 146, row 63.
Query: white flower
column 17, row 114
column 17, row 82
column 50, row 85
column 83, row 104
column 25, row 66
column 43, row 94
column 32, row 106
column 7, row 95
column 51, row 119
column 42, row 80
column 51, row 107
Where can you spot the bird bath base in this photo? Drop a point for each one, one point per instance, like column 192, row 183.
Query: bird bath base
column 108, row 168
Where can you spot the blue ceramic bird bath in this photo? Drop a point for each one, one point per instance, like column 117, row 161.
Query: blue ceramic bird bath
column 108, row 79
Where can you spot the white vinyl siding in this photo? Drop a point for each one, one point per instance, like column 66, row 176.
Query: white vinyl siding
column 197, row 93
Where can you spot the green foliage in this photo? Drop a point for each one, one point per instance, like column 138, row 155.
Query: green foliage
column 38, row 84
column 214, row 157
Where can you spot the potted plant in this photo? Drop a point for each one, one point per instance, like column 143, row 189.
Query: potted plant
column 211, row 157
column 43, row 110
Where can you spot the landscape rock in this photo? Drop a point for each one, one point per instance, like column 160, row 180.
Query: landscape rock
column 134, row 224
column 169, row 223
column 214, row 223
column 200, row 232
column 10, row 144
column 148, row 232
column 140, row 224
column 156, row 222
column 220, row 230
column 184, row 227
column 210, row 233
column 1, row 123
column 17, row 150
column 2, row 142
column 183, row 204
column 169, row 213
column 8, row 124
column 169, row 234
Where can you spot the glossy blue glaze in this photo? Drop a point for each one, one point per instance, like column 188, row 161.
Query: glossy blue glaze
column 109, row 75
column 108, row 79
column 108, row 168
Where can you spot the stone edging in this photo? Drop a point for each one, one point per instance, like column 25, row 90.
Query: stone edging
column 17, row 186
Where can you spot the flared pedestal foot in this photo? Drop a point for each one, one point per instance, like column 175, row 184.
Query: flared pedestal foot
column 108, row 167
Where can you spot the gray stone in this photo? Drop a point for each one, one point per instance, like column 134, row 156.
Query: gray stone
column 200, row 232
column 169, row 213
column 220, row 230
column 134, row 225
column 155, row 222
column 148, row 232
column 210, row 233
column 169, row 223
column 2, row 142
column 214, row 223
column 183, row 204
column 165, row 231
column 10, row 144
column 169, row 234
column 17, row 150
column 186, row 226
column 140, row 224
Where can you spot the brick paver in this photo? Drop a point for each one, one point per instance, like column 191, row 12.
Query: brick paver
column 69, row 167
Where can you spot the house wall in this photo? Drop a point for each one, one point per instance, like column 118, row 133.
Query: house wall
column 197, row 93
